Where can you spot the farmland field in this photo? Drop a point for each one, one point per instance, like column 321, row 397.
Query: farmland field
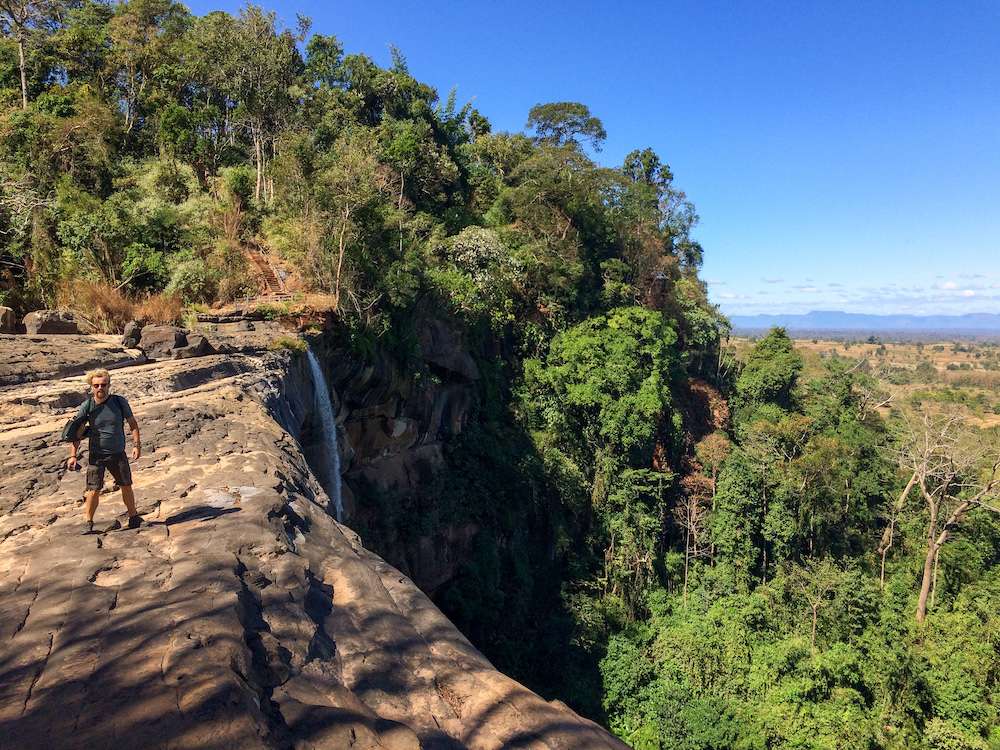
column 914, row 373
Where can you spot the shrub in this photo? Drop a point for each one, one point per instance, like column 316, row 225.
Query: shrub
column 107, row 309
column 193, row 281
column 99, row 306
column 162, row 308
column 273, row 311
column 926, row 373
column 144, row 267
column 296, row 346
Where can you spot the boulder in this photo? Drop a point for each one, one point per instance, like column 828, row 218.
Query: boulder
column 7, row 320
column 159, row 341
column 133, row 332
column 197, row 346
column 50, row 321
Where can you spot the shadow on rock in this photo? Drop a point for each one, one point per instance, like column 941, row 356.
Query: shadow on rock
column 199, row 513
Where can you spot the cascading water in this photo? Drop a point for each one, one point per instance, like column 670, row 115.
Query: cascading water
column 325, row 409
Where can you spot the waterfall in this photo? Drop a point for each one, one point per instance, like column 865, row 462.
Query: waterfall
column 325, row 409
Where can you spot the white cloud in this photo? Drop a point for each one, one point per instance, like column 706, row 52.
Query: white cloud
column 946, row 285
column 715, row 281
column 771, row 279
column 834, row 284
column 810, row 289
column 950, row 302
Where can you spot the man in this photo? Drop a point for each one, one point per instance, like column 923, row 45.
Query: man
column 106, row 413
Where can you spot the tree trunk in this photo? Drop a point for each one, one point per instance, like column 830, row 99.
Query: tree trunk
column 812, row 640
column 399, row 207
column 937, row 554
column 687, row 558
column 925, row 585
column 932, row 549
column 258, row 153
column 763, row 477
column 341, row 251
column 24, row 75
column 885, row 550
column 887, row 535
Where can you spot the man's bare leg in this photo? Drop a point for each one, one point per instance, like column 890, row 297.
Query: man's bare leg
column 93, row 496
column 128, row 497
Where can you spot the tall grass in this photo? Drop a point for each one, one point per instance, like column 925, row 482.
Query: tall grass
column 102, row 308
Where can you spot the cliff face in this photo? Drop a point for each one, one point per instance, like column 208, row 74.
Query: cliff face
column 392, row 434
column 245, row 616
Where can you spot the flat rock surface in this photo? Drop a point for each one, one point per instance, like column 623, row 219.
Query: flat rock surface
column 244, row 616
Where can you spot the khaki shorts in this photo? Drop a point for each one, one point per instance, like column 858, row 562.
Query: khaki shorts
column 116, row 463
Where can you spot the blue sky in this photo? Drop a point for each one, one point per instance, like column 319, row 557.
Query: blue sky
column 842, row 155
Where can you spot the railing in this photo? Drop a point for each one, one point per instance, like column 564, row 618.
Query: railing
column 249, row 304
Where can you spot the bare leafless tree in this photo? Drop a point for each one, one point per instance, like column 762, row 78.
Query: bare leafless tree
column 712, row 452
column 956, row 468
column 20, row 201
column 871, row 387
column 690, row 513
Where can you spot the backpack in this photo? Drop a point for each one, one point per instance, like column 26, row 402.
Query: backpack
column 72, row 428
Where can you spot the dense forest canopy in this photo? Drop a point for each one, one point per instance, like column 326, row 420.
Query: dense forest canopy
column 699, row 550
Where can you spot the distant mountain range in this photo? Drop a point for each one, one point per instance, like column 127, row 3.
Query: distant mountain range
column 820, row 320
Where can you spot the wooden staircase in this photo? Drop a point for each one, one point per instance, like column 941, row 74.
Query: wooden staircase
column 265, row 269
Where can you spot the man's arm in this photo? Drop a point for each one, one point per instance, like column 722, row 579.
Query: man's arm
column 72, row 463
column 134, row 426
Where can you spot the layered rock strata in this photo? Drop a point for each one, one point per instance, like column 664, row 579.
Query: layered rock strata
column 244, row 616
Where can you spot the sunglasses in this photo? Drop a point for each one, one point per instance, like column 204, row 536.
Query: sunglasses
column 99, row 386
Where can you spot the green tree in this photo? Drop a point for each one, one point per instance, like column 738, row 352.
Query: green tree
column 566, row 123
column 20, row 19
column 259, row 78
column 604, row 396
column 142, row 44
column 344, row 203
column 770, row 373
column 485, row 275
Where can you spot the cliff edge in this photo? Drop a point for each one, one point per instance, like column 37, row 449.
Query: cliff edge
column 245, row 616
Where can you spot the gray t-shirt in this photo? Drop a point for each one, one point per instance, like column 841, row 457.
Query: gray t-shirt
column 107, row 433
